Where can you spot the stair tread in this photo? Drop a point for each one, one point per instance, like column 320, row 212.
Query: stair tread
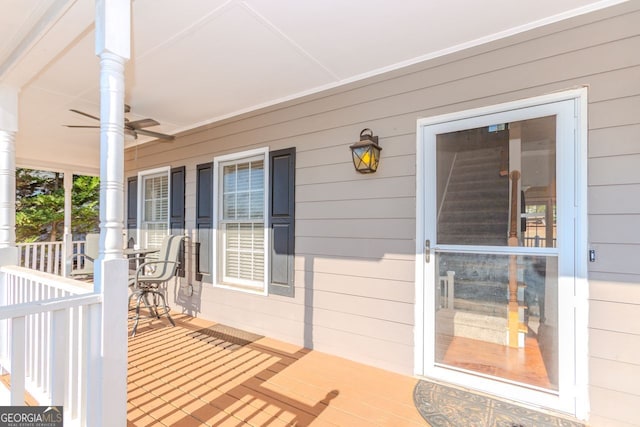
column 478, row 194
column 496, row 180
column 473, row 221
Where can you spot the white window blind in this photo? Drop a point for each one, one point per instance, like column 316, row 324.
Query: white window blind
column 155, row 215
column 242, row 223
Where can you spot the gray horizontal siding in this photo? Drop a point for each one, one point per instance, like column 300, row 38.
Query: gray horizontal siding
column 614, row 346
column 367, row 247
column 616, row 258
column 397, row 207
column 615, row 170
column 616, row 141
column 615, row 375
column 614, row 199
column 390, row 269
column 389, row 228
column 372, row 287
column 615, row 229
column 355, row 234
column 624, row 285
column 358, row 189
column 621, row 409
column 614, row 316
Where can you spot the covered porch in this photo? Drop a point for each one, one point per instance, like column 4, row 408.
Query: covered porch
column 235, row 82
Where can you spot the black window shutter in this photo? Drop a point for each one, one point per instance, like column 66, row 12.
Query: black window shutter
column 176, row 209
column 204, row 219
column 132, row 208
column 282, row 168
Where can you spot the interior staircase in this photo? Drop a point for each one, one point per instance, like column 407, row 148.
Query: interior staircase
column 475, row 211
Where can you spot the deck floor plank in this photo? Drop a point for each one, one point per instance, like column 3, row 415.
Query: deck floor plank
column 180, row 377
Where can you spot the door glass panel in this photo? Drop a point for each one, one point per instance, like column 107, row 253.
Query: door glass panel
column 475, row 172
column 496, row 314
column 497, row 323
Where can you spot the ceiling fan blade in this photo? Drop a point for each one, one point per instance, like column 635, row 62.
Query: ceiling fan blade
column 132, row 128
column 85, row 114
column 155, row 134
column 144, row 123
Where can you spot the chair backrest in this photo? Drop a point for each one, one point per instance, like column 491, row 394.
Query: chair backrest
column 169, row 251
column 91, row 246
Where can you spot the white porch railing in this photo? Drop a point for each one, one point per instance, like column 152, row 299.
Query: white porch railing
column 47, row 256
column 48, row 330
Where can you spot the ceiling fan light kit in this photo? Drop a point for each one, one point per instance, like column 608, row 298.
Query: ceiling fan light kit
column 132, row 128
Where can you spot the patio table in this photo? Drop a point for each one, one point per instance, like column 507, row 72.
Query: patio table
column 139, row 254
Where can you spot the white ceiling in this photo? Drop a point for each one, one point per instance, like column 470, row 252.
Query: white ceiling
column 197, row 61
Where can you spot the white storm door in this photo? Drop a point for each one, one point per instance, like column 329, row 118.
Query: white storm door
column 499, row 236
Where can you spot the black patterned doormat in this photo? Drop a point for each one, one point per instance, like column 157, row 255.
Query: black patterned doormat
column 225, row 336
column 443, row 406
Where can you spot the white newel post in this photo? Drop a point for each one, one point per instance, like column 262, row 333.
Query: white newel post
column 113, row 26
column 8, row 250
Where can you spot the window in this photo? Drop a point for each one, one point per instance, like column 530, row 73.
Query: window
column 154, row 214
column 241, row 220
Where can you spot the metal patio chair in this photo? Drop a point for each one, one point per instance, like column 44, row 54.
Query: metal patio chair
column 150, row 279
column 84, row 261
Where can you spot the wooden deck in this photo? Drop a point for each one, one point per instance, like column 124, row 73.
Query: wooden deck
column 185, row 376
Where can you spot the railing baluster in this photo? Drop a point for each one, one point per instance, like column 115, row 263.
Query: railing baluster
column 27, row 256
column 58, row 259
column 41, row 344
column 58, row 373
column 46, row 265
column 84, row 361
column 41, row 263
column 35, row 319
column 4, row 324
column 17, row 361
column 51, row 259
column 46, row 369
column 30, row 286
column 71, row 397
column 34, row 257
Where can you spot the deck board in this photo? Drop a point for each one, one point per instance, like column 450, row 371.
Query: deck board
column 180, row 378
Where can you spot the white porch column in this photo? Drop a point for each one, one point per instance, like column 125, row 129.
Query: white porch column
column 8, row 129
column 113, row 27
column 67, row 239
column 8, row 250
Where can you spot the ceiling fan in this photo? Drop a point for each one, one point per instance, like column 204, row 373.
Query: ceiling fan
column 132, row 128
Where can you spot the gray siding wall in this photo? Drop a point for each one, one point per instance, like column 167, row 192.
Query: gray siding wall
column 355, row 234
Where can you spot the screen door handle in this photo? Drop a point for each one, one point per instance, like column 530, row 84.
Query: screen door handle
column 427, row 251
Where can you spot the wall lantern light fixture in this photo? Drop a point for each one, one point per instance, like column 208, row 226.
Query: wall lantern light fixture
column 366, row 152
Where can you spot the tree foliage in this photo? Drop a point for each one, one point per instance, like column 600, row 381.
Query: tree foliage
column 85, row 200
column 40, row 205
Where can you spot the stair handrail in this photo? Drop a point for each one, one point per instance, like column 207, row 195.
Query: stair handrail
column 446, row 186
